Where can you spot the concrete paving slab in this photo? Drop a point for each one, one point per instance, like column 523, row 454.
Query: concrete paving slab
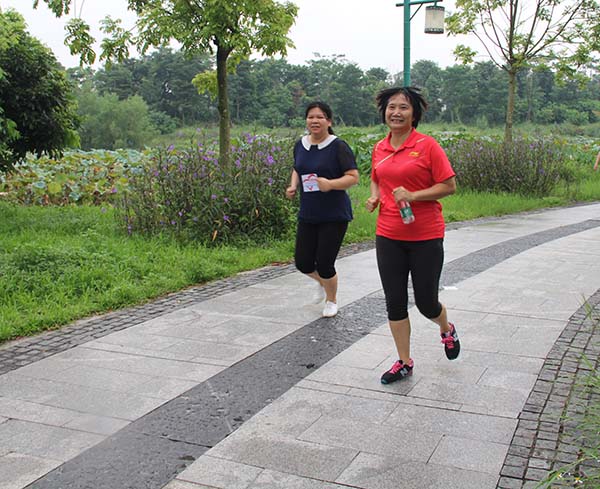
column 270, row 479
column 18, row 470
column 35, row 412
column 370, row 437
column 101, row 425
column 48, row 442
column 88, row 400
column 369, row 471
column 469, row 454
column 286, row 455
column 217, row 472
column 446, row 421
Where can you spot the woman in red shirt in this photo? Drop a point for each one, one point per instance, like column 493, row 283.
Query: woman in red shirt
column 410, row 168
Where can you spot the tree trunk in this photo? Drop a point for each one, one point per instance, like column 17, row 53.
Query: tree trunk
column 510, row 106
column 223, row 106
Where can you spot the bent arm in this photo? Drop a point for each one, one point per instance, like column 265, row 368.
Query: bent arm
column 373, row 201
column 349, row 179
column 435, row 192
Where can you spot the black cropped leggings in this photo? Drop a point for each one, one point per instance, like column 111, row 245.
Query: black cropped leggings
column 317, row 247
column 424, row 261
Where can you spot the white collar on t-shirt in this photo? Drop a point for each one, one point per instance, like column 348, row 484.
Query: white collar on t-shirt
column 326, row 142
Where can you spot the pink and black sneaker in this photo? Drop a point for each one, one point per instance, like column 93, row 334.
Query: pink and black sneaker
column 451, row 343
column 399, row 371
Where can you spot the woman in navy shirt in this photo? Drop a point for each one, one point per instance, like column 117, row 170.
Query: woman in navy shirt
column 324, row 167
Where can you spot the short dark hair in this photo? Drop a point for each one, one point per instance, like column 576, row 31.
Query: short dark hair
column 318, row 104
column 413, row 94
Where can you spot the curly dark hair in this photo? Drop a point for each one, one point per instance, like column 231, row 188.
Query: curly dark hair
column 413, row 94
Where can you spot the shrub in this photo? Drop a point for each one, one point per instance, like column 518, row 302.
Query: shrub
column 526, row 167
column 188, row 193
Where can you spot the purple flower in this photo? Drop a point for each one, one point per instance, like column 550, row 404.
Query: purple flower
column 171, row 147
column 213, row 196
column 180, row 213
column 270, row 181
column 225, row 199
column 113, row 190
column 226, row 218
column 238, row 163
column 270, row 160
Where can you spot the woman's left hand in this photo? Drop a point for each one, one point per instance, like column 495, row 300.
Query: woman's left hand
column 401, row 194
column 324, row 184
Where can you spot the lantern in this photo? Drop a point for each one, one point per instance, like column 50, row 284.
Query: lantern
column 434, row 20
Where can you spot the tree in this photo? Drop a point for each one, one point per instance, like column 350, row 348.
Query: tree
column 111, row 123
column 230, row 29
column 37, row 106
column 517, row 35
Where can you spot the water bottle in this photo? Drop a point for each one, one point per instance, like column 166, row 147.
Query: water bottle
column 406, row 212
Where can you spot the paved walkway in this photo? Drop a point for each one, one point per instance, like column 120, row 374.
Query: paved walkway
column 242, row 385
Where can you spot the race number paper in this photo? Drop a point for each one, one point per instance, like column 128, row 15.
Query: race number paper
column 309, row 182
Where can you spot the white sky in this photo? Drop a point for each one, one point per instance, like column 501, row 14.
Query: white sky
column 367, row 32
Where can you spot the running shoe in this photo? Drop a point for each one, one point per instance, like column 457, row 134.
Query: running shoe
column 399, row 370
column 451, row 343
column 330, row 309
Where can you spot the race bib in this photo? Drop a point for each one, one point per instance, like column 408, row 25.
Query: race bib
column 309, row 182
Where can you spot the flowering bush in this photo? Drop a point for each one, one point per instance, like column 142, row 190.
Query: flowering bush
column 188, row 192
column 526, row 167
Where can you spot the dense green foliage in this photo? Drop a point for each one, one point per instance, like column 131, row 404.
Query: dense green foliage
column 519, row 37
column 191, row 194
column 526, row 167
column 37, row 107
column 110, row 123
column 273, row 93
column 78, row 177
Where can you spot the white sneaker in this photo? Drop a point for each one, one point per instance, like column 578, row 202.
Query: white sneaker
column 330, row 310
column 319, row 295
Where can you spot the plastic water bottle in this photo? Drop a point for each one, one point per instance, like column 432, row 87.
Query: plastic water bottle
column 406, row 212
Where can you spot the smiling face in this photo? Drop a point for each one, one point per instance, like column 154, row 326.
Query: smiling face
column 317, row 123
column 399, row 113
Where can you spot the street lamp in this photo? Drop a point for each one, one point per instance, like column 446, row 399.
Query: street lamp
column 434, row 24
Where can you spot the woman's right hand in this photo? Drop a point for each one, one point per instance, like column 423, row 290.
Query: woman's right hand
column 372, row 203
column 290, row 192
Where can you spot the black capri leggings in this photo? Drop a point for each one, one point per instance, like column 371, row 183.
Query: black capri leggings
column 317, row 246
column 424, row 260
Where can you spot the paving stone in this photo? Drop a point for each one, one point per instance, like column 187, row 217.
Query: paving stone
column 376, row 472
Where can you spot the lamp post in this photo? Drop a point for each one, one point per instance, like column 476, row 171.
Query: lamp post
column 434, row 24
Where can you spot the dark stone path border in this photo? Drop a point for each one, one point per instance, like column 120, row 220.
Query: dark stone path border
column 152, row 450
column 547, row 437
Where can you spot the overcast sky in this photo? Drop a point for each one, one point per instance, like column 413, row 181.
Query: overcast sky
column 367, row 32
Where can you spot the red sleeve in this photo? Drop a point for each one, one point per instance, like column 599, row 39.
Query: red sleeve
column 374, row 157
column 441, row 169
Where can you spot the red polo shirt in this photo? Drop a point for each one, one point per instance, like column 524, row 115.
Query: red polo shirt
column 418, row 164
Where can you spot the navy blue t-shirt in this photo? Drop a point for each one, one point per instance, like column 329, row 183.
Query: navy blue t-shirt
column 330, row 159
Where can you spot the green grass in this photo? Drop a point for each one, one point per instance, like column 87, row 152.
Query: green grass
column 59, row 264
